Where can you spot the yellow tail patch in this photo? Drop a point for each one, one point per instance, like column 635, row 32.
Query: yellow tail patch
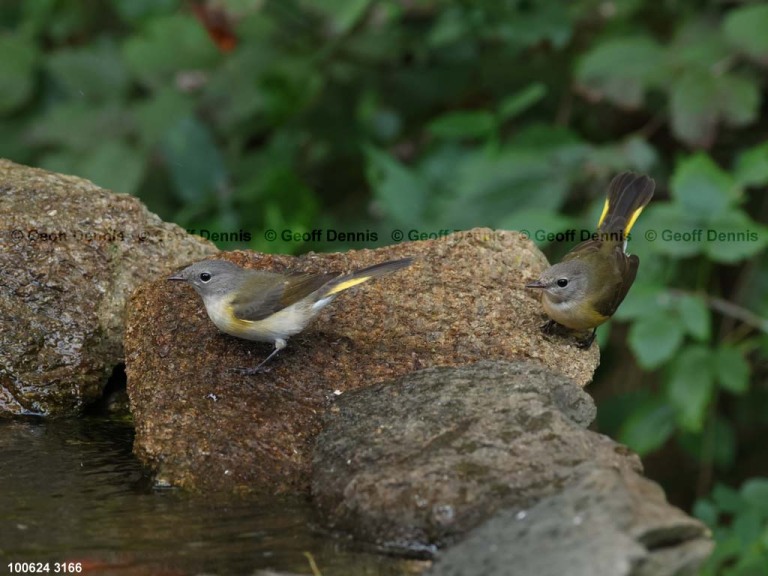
column 633, row 219
column 630, row 222
column 605, row 212
column 348, row 284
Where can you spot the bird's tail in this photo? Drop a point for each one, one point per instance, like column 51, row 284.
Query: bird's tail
column 359, row 276
column 628, row 194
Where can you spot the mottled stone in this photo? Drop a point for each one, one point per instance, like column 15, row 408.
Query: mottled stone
column 497, row 457
column 204, row 426
column 418, row 462
column 70, row 255
column 611, row 522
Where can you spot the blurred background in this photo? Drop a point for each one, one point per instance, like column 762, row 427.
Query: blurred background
column 249, row 118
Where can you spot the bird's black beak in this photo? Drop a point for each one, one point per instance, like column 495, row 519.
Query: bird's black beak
column 535, row 284
column 176, row 278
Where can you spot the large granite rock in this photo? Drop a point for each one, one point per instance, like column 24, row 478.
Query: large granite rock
column 70, row 255
column 202, row 425
column 611, row 522
column 418, row 463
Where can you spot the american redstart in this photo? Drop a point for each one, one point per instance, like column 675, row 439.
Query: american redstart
column 587, row 286
column 270, row 306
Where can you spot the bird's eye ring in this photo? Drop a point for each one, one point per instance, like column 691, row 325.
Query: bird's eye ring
column 205, row 276
column 562, row 282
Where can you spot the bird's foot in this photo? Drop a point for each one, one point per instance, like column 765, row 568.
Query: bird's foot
column 586, row 343
column 549, row 327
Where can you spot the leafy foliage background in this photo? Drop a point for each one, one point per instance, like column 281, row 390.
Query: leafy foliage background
column 430, row 115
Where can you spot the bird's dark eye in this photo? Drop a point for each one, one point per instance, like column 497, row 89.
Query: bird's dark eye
column 205, row 276
column 562, row 282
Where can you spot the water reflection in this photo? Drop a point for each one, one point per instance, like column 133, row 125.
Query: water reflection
column 72, row 491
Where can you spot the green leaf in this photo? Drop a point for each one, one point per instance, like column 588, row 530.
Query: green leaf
column 617, row 156
column 521, row 100
column 194, row 161
column 168, row 45
column 733, row 370
column 487, row 185
column 94, row 72
column 341, row 14
column 733, row 236
column 450, row 26
column 746, row 27
column 727, row 499
column 707, row 512
column 159, row 114
column 739, row 99
column 702, row 188
column 694, row 107
column 754, row 491
column 642, row 300
column 541, row 226
column 700, row 98
column 691, row 386
column 671, row 231
column 79, row 125
column 233, row 99
column 463, row 125
column 697, row 44
column 400, row 191
column 35, row 17
column 290, row 88
column 64, row 162
column 752, row 557
column 752, row 166
column 621, row 70
column 12, row 131
column 134, row 11
column 18, row 62
column 654, row 339
column 529, row 26
column 694, row 315
column 648, row 427
column 114, row 165
column 747, row 526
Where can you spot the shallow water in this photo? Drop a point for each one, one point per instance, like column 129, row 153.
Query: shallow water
column 72, row 491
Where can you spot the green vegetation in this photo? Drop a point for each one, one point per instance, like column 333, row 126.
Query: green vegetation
column 428, row 115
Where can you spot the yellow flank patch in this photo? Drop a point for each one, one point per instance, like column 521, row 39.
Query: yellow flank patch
column 348, row 284
column 228, row 322
column 281, row 324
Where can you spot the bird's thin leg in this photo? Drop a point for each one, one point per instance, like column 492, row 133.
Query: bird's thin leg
column 279, row 345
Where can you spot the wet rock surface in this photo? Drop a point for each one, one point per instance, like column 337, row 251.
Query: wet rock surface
column 70, row 255
column 608, row 523
column 418, row 463
column 202, row 425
